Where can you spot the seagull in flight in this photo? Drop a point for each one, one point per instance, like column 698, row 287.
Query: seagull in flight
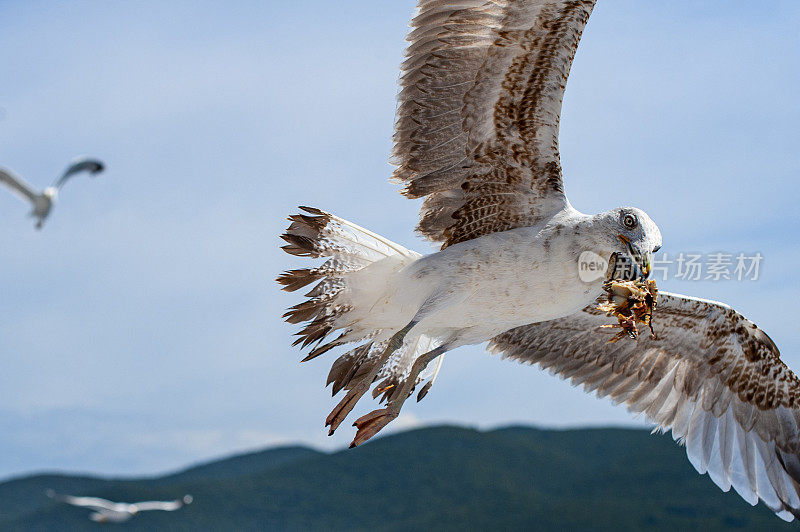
column 42, row 202
column 105, row 511
column 477, row 138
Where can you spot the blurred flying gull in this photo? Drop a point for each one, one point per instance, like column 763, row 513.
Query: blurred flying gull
column 105, row 511
column 43, row 201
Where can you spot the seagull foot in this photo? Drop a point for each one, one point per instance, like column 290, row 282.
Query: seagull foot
column 344, row 407
column 349, row 401
column 370, row 424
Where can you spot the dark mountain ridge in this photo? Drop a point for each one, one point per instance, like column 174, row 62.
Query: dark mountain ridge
column 440, row 478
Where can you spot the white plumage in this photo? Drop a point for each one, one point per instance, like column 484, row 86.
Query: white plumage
column 477, row 137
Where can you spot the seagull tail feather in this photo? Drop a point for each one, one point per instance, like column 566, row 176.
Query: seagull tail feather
column 348, row 248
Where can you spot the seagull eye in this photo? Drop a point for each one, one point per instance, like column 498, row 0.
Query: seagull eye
column 629, row 221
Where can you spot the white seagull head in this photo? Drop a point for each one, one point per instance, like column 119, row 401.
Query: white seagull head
column 630, row 235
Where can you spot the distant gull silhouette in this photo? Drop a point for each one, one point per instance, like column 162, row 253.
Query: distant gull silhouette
column 105, row 511
column 43, row 201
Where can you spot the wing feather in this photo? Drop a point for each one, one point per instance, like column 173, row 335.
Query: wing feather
column 713, row 378
column 166, row 506
column 94, row 503
column 83, row 164
column 479, row 107
column 17, row 185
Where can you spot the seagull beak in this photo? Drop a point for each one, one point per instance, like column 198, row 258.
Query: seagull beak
column 643, row 260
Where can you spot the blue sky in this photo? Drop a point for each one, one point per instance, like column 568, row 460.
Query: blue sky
column 140, row 330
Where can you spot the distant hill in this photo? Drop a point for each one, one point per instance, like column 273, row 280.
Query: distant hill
column 444, row 478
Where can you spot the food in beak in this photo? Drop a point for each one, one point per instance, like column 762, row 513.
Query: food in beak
column 631, row 302
column 642, row 260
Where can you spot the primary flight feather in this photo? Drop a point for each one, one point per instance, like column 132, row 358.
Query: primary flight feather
column 477, row 138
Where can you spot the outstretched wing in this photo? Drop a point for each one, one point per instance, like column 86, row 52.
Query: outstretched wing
column 713, row 378
column 17, row 185
column 92, row 166
column 479, row 108
column 94, row 503
column 167, row 506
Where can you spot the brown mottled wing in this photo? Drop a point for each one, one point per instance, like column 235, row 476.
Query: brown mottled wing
column 479, row 108
column 713, row 378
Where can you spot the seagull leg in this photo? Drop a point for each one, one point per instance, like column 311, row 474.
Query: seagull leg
column 355, row 393
column 370, row 424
